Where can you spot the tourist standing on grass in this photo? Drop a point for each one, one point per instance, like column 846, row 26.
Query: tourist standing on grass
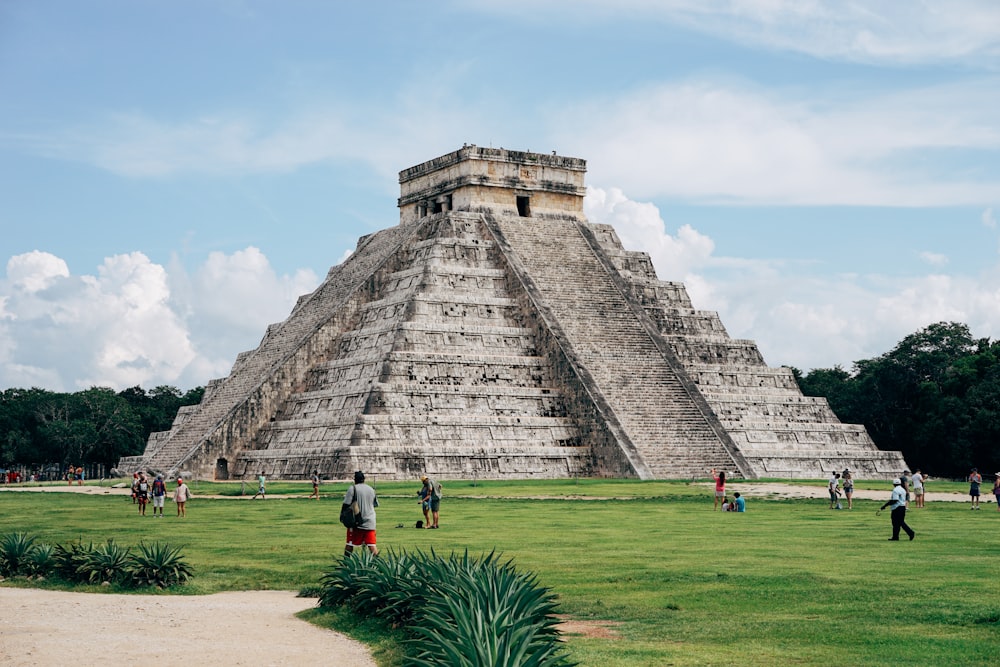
column 975, row 479
column 904, row 481
column 435, row 499
column 159, row 495
column 918, row 488
column 181, row 495
column 833, row 486
column 996, row 489
column 261, row 483
column 424, row 499
column 364, row 533
column 898, row 504
column 848, row 480
column 80, row 475
column 142, row 493
column 315, row 481
column 720, row 487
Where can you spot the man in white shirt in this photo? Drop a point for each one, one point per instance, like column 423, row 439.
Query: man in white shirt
column 834, row 488
column 918, row 487
column 898, row 504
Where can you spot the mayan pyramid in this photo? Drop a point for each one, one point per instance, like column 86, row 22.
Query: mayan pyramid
column 495, row 333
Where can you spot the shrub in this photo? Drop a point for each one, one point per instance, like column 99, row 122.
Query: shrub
column 158, row 565
column 40, row 561
column 105, row 563
column 472, row 611
column 15, row 552
column 68, row 560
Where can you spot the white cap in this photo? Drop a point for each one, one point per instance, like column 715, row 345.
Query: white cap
column 896, row 481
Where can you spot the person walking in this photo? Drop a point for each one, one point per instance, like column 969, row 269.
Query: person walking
column 975, row 479
column 181, row 495
column 898, row 504
column 918, row 488
column 847, row 478
column 261, row 484
column 362, row 535
column 315, row 482
column 159, row 495
column 720, row 487
column 142, row 493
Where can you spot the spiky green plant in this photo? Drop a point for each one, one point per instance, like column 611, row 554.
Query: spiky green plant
column 40, row 561
column 105, row 563
column 460, row 610
column 15, row 551
column 68, row 559
column 158, row 565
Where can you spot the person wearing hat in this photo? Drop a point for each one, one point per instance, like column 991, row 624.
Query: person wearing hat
column 364, row 533
column 181, row 495
column 424, row 498
column 898, row 504
column 975, row 479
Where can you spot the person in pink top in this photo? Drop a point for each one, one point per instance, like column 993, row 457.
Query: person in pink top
column 720, row 487
column 181, row 496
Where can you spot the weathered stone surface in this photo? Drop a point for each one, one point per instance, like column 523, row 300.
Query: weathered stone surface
column 496, row 333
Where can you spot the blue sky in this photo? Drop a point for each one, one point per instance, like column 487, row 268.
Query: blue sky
column 173, row 175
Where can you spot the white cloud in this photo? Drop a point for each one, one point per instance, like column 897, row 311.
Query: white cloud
column 135, row 323
column 870, row 31
column 725, row 143
column 934, row 258
column 797, row 318
column 989, row 220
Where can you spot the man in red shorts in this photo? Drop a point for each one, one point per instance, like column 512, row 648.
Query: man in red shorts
column 363, row 534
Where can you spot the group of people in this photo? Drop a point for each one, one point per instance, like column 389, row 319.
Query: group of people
column 737, row 504
column 841, row 483
column 76, row 474
column 144, row 491
column 363, row 535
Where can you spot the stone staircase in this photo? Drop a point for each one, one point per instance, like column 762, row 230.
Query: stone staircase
column 780, row 432
column 660, row 420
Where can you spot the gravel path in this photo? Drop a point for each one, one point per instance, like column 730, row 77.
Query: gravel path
column 255, row 628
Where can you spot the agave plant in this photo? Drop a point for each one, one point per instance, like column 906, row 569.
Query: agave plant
column 15, row 551
column 69, row 560
column 40, row 561
column 158, row 565
column 105, row 563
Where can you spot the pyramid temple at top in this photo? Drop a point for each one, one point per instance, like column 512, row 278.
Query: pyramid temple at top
column 495, row 333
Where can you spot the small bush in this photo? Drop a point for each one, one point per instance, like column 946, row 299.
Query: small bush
column 67, row 560
column 458, row 611
column 105, row 563
column 158, row 565
column 15, row 552
column 40, row 561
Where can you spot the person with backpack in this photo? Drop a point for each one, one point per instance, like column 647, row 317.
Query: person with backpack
column 361, row 534
column 159, row 495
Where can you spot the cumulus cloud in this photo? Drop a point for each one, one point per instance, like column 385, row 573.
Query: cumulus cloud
column 797, row 318
column 134, row 322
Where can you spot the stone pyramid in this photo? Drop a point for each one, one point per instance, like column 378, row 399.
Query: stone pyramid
column 495, row 333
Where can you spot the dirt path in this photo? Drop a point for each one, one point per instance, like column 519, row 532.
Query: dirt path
column 256, row 628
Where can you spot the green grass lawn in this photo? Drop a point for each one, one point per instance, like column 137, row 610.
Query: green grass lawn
column 788, row 582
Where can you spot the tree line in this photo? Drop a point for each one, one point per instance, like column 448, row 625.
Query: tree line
column 935, row 397
column 94, row 426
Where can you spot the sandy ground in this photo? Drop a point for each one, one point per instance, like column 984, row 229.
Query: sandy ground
column 41, row 628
